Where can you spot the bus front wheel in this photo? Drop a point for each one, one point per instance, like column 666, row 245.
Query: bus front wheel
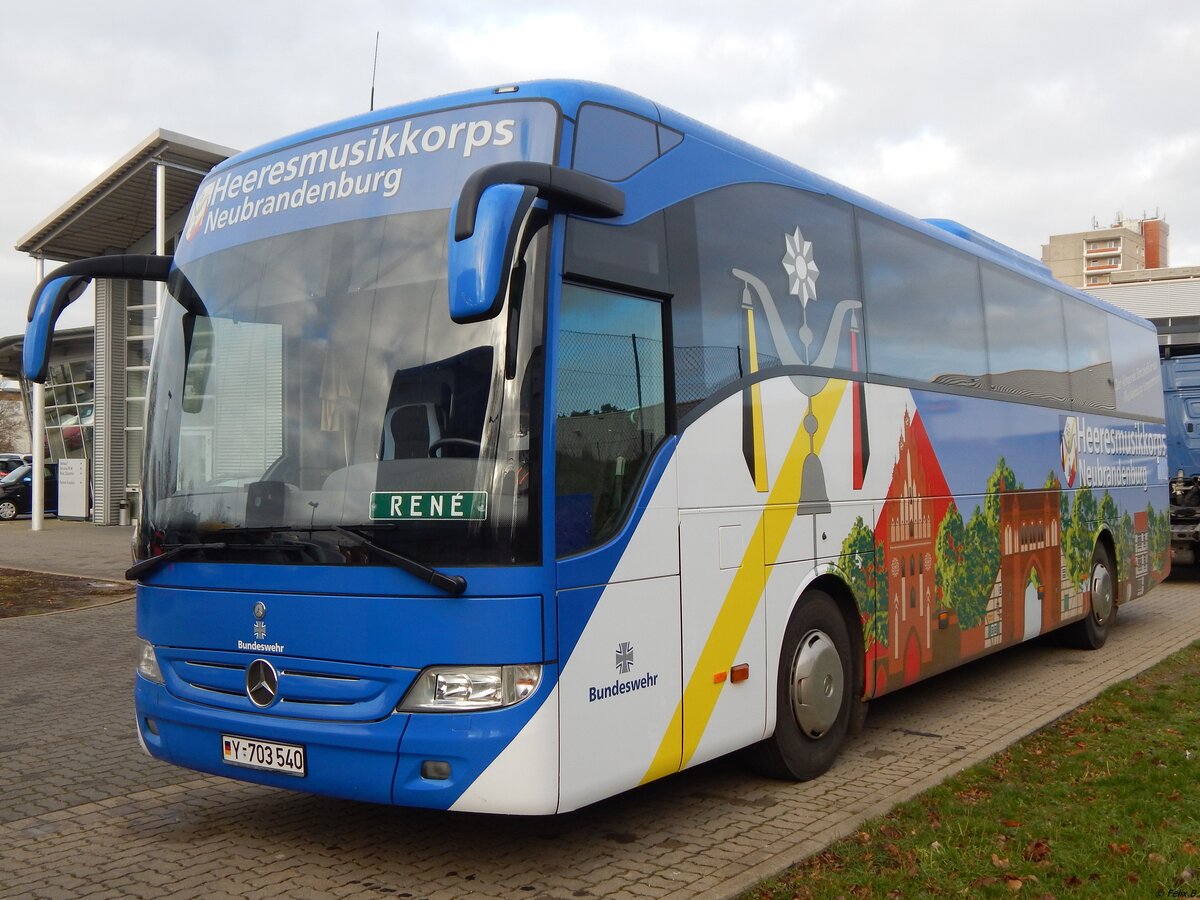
column 1090, row 632
column 813, row 693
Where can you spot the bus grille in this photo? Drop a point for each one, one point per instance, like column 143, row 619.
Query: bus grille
column 308, row 689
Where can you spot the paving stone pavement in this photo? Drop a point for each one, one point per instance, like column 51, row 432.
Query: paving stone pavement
column 83, row 813
column 67, row 547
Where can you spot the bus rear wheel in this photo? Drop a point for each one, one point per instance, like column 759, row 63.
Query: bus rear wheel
column 1091, row 632
column 813, row 693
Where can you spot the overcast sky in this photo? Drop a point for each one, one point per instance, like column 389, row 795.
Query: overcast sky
column 1020, row 119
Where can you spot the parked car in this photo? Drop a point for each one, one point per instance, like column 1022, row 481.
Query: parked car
column 16, row 490
column 10, row 461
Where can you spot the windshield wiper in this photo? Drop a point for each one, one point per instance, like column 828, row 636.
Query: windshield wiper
column 451, row 584
column 134, row 572
column 150, row 563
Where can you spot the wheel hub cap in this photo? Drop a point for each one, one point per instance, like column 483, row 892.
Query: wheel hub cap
column 817, row 684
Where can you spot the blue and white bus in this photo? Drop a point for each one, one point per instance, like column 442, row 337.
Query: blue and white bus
column 511, row 449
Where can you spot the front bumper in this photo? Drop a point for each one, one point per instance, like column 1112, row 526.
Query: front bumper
column 377, row 761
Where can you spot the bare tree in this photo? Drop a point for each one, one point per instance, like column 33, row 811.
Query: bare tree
column 14, row 428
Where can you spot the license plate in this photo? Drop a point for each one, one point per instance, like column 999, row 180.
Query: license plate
column 255, row 754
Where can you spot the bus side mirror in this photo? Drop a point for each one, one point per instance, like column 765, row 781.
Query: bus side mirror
column 51, row 298
column 63, row 286
column 479, row 263
column 487, row 218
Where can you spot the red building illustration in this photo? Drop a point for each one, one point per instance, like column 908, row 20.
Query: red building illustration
column 917, row 500
column 1030, row 563
column 1029, row 593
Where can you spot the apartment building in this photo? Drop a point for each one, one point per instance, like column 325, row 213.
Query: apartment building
column 1087, row 259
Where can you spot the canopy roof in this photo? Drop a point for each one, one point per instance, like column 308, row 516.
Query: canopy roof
column 118, row 208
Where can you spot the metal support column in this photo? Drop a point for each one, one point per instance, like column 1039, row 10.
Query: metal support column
column 39, row 435
column 160, row 232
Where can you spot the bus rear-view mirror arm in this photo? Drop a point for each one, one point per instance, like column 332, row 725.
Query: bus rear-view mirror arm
column 487, row 219
column 63, row 286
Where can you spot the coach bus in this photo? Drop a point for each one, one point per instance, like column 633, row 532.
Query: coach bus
column 508, row 450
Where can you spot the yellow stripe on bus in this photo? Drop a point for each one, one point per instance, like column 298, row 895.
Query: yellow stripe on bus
column 733, row 620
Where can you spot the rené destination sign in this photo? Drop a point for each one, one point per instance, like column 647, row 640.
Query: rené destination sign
column 454, row 505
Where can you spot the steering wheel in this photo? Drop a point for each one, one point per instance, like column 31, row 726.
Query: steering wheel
column 453, row 442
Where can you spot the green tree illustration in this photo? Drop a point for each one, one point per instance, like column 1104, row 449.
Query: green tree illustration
column 1107, row 511
column 1064, row 515
column 863, row 563
column 951, row 550
column 1126, row 553
column 982, row 564
column 968, row 556
column 1079, row 536
column 1108, row 514
column 1002, row 479
column 1160, row 537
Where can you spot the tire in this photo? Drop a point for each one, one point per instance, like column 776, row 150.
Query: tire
column 8, row 510
column 814, row 692
column 1090, row 632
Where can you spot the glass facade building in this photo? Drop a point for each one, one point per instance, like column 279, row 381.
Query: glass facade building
column 96, row 386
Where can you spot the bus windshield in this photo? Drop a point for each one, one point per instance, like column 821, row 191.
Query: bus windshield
column 310, row 386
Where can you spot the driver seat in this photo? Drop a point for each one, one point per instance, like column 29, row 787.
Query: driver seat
column 410, row 430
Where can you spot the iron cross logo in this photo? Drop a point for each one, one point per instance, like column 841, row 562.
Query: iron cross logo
column 624, row 657
column 260, row 627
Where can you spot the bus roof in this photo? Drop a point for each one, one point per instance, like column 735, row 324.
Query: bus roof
column 568, row 95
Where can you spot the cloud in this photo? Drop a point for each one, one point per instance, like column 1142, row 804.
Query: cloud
column 1021, row 119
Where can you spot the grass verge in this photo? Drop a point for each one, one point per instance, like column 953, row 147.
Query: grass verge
column 1105, row 803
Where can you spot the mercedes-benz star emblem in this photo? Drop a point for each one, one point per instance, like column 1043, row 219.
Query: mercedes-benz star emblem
column 262, row 683
column 260, row 610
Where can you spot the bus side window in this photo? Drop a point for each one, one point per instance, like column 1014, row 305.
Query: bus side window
column 615, row 144
column 1137, row 379
column 1089, row 355
column 1027, row 344
column 923, row 306
column 611, row 411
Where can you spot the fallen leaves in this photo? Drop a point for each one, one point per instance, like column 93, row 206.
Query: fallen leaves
column 1037, row 851
column 973, row 795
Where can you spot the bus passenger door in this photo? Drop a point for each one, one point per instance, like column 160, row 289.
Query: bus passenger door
column 616, row 531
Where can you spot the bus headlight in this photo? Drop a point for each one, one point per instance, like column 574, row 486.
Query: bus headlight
column 470, row 688
column 147, row 662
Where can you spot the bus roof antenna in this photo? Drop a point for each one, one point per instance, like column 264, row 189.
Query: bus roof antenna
column 374, row 67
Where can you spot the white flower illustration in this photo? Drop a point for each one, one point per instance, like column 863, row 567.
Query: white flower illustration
column 802, row 270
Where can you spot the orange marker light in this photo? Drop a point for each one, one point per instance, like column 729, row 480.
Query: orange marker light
column 739, row 673
column 718, row 678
